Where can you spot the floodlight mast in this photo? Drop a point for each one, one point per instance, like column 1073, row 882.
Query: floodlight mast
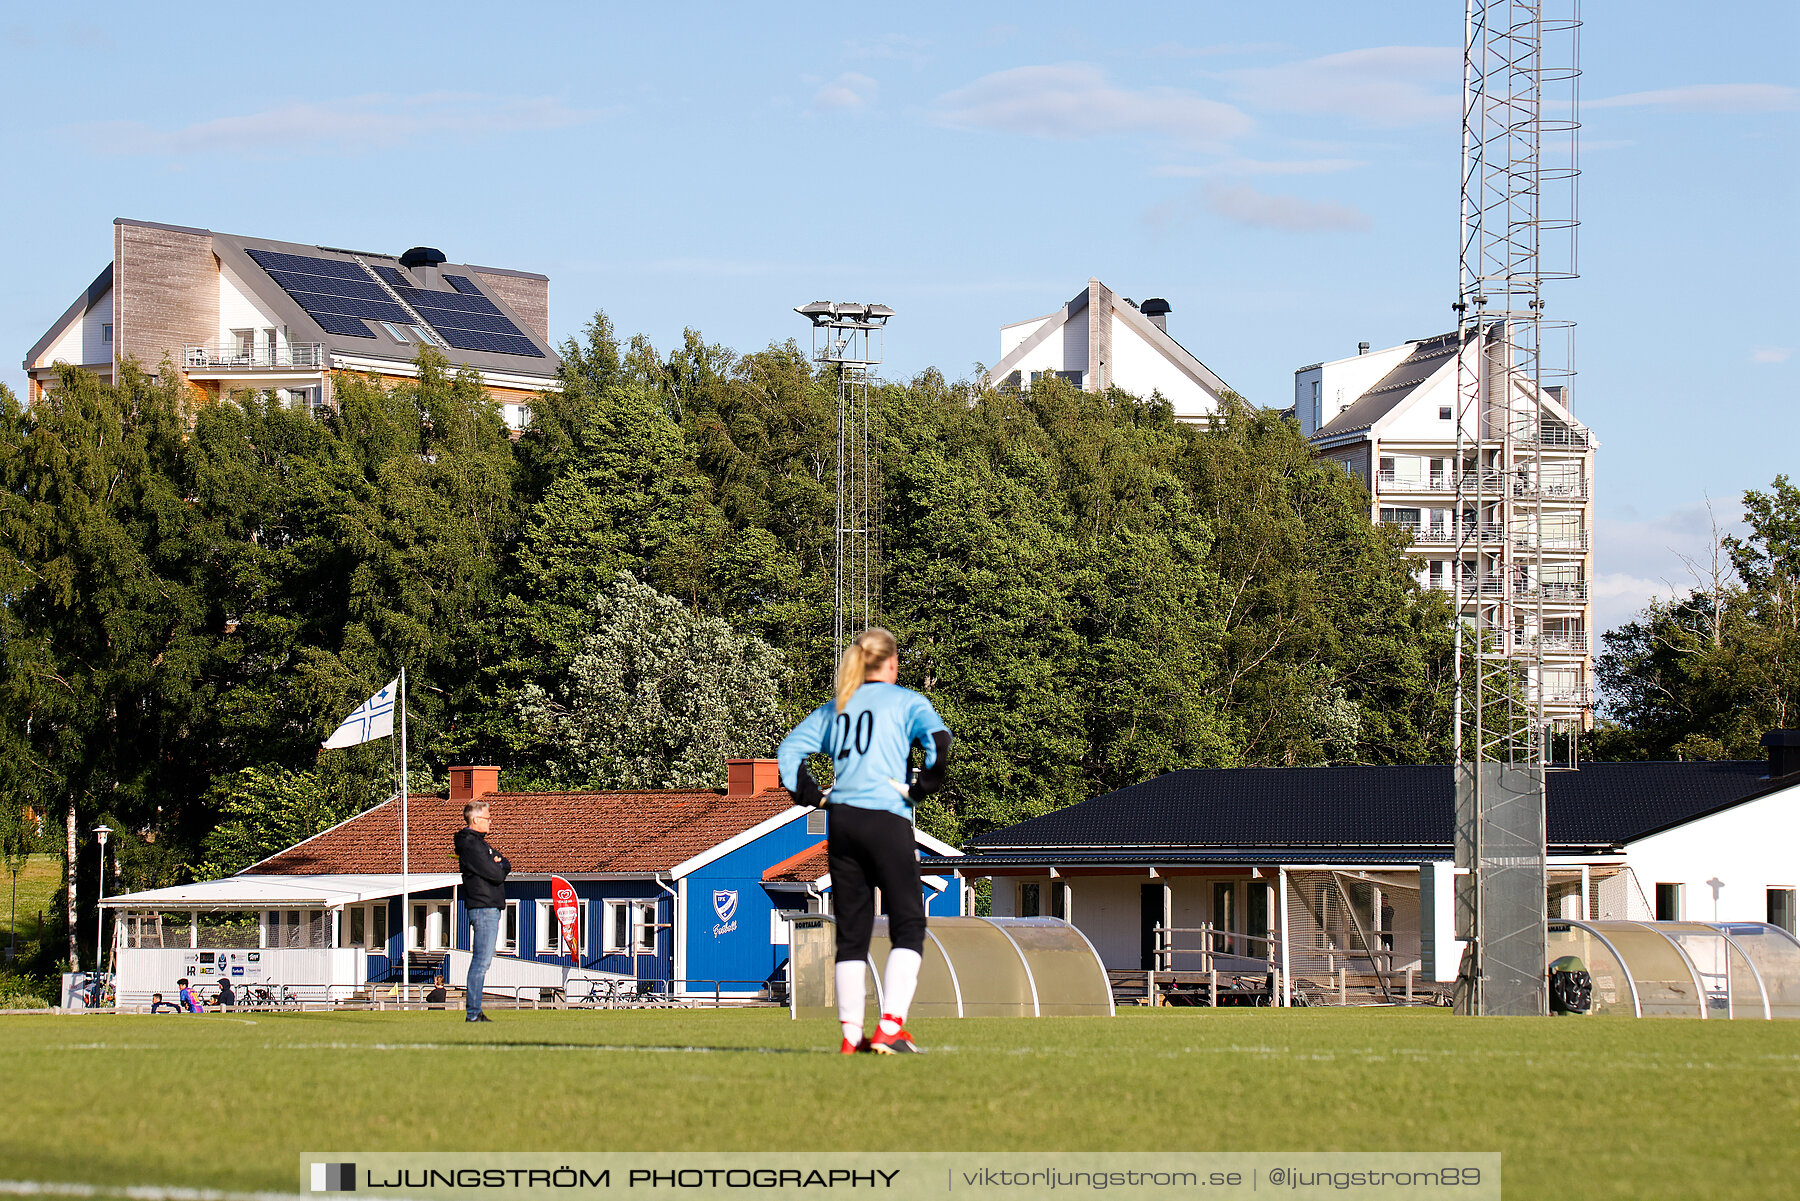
column 1519, row 221
column 849, row 336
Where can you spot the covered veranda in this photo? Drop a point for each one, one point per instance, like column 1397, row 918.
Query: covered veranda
column 323, row 938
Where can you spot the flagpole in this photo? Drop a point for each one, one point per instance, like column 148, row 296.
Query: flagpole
column 405, row 859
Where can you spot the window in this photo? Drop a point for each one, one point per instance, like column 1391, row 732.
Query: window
column 1668, row 902
column 394, row 331
column 378, row 918
column 1224, row 916
column 815, row 823
column 1258, row 901
column 509, row 929
column 1059, row 900
column 549, row 930
column 1781, row 908
column 106, row 332
column 1445, row 413
column 243, row 344
column 431, row 927
column 359, row 928
column 1317, row 409
column 1030, row 900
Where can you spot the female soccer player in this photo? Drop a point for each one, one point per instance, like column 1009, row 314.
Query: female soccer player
column 869, row 730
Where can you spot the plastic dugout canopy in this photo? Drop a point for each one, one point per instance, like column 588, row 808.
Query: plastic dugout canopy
column 1685, row 969
column 971, row 967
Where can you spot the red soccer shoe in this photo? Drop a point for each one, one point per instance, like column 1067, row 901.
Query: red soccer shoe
column 897, row 1043
column 850, row 1048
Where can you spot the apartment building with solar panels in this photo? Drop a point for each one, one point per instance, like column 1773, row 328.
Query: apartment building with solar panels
column 236, row 314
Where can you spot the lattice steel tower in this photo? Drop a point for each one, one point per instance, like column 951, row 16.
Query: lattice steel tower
column 849, row 336
column 1519, row 221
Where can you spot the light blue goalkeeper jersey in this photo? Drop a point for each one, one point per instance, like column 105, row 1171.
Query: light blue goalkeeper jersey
column 868, row 743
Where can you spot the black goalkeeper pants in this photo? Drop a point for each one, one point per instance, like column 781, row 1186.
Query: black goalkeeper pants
column 870, row 849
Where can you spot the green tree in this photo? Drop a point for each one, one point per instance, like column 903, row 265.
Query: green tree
column 265, row 810
column 657, row 697
column 103, row 623
column 1704, row 676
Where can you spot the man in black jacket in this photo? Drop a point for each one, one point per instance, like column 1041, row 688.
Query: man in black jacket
column 484, row 895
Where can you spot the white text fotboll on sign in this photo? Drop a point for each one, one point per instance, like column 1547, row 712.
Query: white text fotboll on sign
column 568, row 916
column 725, row 903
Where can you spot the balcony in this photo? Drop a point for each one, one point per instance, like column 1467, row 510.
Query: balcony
column 1556, row 644
column 1485, row 484
column 233, row 356
column 1447, row 534
column 1567, row 696
column 1494, row 587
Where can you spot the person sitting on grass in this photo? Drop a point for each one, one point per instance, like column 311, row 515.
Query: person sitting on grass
column 436, row 997
column 157, row 1004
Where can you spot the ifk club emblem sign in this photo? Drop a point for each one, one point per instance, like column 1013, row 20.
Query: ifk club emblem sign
column 725, row 902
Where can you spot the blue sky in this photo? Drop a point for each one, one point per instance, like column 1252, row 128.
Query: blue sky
column 1284, row 174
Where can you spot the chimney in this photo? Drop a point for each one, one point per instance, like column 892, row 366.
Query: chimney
column 1362, row 348
column 424, row 262
column 472, row 783
column 747, row 777
column 1784, row 752
column 1158, row 310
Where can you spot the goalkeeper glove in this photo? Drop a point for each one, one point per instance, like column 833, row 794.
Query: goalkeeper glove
column 810, row 794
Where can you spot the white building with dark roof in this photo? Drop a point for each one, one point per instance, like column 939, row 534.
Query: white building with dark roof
column 235, row 314
column 1101, row 340
column 1390, row 417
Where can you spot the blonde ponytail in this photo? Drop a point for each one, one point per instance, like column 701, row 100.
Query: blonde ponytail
column 874, row 645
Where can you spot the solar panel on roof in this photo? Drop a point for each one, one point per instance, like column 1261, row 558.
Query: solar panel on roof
column 350, row 306
column 274, row 260
column 393, row 275
column 332, row 323
column 463, row 284
column 464, row 339
column 325, row 285
column 453, row 302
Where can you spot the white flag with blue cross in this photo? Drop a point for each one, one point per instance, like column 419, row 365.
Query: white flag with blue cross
column 373, row 719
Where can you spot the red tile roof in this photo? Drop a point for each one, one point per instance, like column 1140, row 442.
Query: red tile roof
column 805, row 867
column 538, row 832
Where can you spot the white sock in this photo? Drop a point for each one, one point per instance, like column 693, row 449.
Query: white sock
column 898, row 985
column 852, row 991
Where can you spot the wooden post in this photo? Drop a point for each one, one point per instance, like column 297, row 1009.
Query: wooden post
column 1409, row 978
column 1150, row 987
column 1343, row 986
column 1212, row 988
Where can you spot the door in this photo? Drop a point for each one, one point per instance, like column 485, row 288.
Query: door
column 1150, row 908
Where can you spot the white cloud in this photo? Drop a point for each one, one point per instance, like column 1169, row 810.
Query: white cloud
column 1636, row 559
column 1244, row 205
column 356, row 125
column 1246, row 166
column 849, row 92
column 1074, row 101
column 1382, row 85
column 1709, row 98
column 1771, row 354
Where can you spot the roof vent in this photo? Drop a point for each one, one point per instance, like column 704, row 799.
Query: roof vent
column 1158, row 310
column 1784, row 752
column 1362, row 348
column 422, row 256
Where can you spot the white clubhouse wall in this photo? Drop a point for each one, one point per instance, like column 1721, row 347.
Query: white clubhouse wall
column 1738, row 854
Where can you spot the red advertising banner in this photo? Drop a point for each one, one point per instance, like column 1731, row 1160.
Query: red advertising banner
column 568, row 915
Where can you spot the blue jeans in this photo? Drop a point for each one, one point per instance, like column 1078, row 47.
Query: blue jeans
column 484, row 930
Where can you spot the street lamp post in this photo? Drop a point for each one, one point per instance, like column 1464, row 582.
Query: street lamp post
column 100, row 832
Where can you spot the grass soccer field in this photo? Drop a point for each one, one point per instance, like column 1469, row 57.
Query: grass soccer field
column 1626, row 1108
